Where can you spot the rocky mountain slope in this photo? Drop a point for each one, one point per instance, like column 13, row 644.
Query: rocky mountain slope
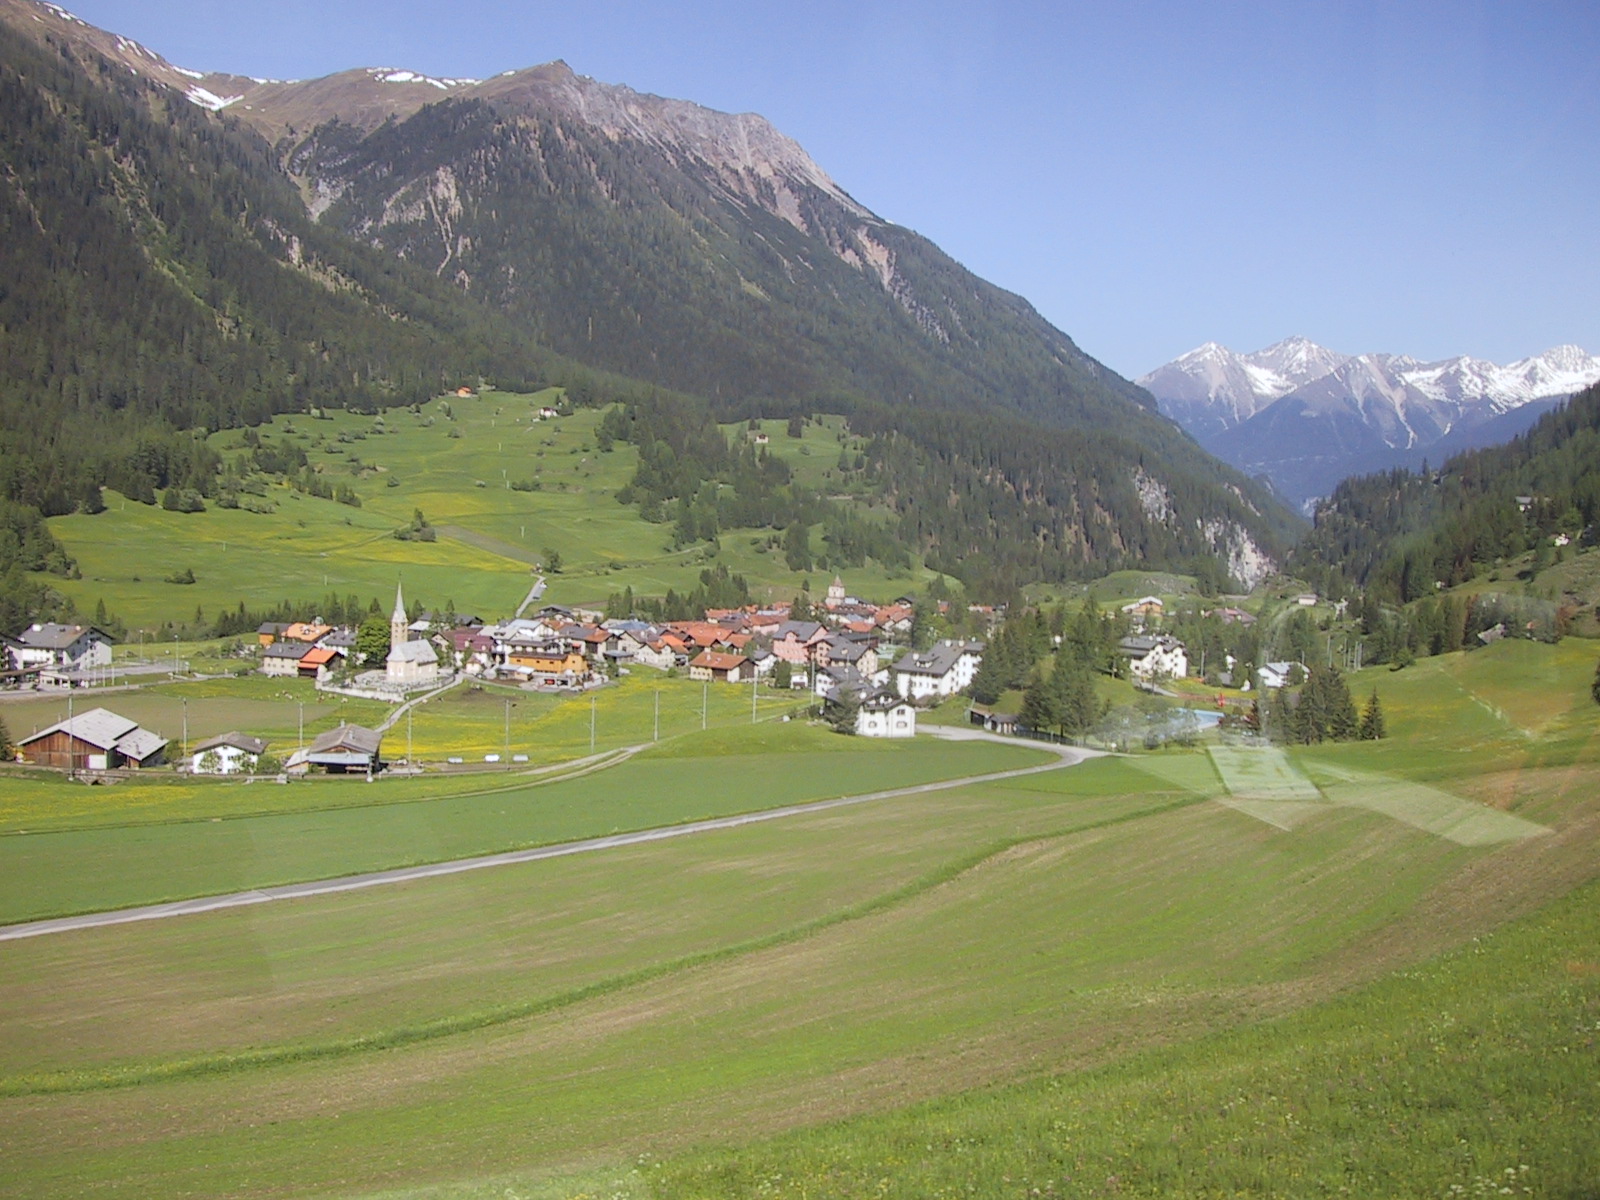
column 648, row 237
column 1307, row 417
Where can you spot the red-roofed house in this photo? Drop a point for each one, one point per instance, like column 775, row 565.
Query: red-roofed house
column 721, row 668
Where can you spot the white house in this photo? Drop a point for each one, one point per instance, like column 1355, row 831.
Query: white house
column 941, row 671
column 885, row 714
column 72, row 647
column 1277, row 674
column 283, row 658
column 226, row 754
column 1160, row 657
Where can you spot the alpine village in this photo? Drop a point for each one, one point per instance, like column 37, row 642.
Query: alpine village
column 548, row 651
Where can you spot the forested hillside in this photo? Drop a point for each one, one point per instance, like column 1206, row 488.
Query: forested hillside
column 1400, row 533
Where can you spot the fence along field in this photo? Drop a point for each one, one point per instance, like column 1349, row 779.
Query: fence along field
column 485, row 1033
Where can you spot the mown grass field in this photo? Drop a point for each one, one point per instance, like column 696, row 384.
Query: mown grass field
column 47, row 873
column 1092, row 981
column 454, row 461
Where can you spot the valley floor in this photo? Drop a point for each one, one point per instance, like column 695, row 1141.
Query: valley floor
column 1140, row 976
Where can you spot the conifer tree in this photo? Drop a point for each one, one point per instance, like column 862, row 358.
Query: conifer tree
column 1372, row 723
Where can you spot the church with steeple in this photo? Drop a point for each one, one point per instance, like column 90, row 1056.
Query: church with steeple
column 409, row 662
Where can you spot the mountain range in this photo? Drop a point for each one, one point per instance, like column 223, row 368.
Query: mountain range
column 1306, row 416
column 259, row 246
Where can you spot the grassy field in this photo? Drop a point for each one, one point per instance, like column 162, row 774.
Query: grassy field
column 455, row 461
column 1095, row 980
column 467, row 722
column 45, row 873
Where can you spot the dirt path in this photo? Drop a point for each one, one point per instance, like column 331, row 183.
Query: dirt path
column 1066, row 756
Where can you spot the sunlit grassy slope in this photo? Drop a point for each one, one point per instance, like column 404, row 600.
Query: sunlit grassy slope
column 455, row 462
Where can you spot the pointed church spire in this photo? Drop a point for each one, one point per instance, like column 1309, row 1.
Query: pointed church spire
column 399, row 626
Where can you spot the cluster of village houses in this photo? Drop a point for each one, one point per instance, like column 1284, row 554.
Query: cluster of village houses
column 842, row 657
column 837, row 658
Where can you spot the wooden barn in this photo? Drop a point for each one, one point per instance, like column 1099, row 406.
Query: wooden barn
column 98, row 740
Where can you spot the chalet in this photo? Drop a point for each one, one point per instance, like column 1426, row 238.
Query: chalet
column 226, row 754
column 943, row 670
column 283, row 658
column 1144, row 606
column 660, row 653
column 1149, row 658
column 317, row 662
column 1279, row 674
column 837, row 649
column 884, row 713
column 470, row 648
column 269, row 631
column 98, row 740
column 343, row 640
column 552, row 665
column 1306, row 599
column 12, row 674
column 720, row 667
column 63, row 647
column 587, row 640
column 342, row 750
column 796, row 642
column 309, row 632
column 894, row 618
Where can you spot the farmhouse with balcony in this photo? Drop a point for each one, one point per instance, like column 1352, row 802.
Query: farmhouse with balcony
column 1161, row 657
column 62, row 647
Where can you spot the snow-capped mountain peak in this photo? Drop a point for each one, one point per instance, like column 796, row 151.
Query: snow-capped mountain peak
column 1307, row 416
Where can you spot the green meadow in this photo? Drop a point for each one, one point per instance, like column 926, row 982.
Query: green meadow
column 1116, row 978
column 456, row 462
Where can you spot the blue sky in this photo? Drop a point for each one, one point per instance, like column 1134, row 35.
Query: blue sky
column 1416, row 178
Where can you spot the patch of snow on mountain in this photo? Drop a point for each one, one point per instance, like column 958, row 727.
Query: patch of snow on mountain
column 189, row 73
column 208, row 99
column 395, row 75
column 1266, row 382
column 63, row 13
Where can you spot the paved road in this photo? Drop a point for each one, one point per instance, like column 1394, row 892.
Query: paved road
column 1068, row 756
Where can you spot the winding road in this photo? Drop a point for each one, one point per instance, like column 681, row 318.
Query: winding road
column 1067, row 756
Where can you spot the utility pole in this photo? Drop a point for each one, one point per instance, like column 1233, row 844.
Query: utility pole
column 185, row 742
column 591, row 722
column 705, row 700
column 657, row 736
column 72, row 752
column 753, row 680
column 301, row 705
column 408, row 737
column 508, row 734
